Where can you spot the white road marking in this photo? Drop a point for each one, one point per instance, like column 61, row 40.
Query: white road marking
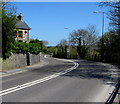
column 19, row 87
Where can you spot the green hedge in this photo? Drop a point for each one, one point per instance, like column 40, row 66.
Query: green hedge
column 20, row 47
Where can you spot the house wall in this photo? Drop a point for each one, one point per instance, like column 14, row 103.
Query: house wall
column 25, row 35
column 19, row 60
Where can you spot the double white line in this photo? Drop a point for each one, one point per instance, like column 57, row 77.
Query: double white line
column 19, row 87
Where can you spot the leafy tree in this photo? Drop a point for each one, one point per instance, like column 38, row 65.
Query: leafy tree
column 114, row 16
column 41, row 43
column 110, row 47
column 8, row 29
column 35, row 48
column 0, row 29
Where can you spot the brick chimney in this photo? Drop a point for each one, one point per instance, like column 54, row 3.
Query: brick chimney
column 20, row 16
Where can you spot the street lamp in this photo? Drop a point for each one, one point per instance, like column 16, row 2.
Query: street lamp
column 102, row 20
column 68, row 49
column 102, row 32
column 66, row 27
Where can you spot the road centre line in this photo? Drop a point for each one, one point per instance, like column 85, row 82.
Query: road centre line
column 19, row 87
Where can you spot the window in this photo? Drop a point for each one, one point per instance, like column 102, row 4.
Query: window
column 20, row 34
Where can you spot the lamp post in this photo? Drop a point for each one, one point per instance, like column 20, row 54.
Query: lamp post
column 102, row 32
column 68, row 48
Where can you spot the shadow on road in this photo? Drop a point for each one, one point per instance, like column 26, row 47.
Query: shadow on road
column 91, row 70
column 53, row 68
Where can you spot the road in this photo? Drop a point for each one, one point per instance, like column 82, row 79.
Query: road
column 75, row 81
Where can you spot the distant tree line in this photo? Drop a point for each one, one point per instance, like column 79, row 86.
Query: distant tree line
column 82, row 44
column 61, row 49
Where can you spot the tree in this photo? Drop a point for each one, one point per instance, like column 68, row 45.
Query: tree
column 63, row 46
column 92, row 43
column 0, row 30
column 41, row 43
column 78, row 38
column 8, row 29
column 114, row 16
column 84, row 40
column 45, row 42
column 110, row 47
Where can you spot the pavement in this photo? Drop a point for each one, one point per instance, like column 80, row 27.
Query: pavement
column 117, row 99
column 87, row 83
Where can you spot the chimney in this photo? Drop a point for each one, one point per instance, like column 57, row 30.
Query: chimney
column 20, row 16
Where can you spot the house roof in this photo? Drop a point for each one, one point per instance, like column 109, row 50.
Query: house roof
column 22, row 25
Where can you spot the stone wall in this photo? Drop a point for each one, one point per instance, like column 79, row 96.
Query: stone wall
column 19, row 60
column 34, row 59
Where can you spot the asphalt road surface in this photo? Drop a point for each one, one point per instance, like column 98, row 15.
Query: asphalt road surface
column 61, row 81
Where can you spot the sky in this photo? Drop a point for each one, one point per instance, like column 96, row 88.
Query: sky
column 48, row 19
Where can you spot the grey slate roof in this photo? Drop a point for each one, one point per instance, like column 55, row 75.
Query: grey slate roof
column 22, row 25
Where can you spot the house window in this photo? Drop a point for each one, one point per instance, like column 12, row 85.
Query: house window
column 26, row 32
column 20, row 34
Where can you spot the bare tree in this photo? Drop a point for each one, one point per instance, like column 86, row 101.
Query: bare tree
column 113, row 14
column 78, row 39
column 63, row 43
column 92, row 38
column 63, row 48
column 84, row 40
column 45, row 42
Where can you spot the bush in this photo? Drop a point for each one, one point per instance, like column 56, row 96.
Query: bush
column 20, row 47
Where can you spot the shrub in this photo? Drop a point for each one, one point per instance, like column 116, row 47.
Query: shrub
column 20, row 47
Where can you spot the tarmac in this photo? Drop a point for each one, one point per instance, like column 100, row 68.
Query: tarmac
column 38, row 65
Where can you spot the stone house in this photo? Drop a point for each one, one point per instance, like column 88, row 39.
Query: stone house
column 23, row 30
